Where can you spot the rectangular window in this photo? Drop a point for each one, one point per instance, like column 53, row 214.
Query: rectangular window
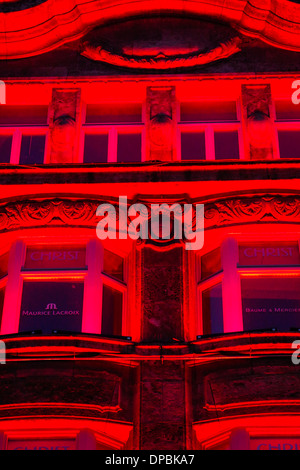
column 113, row 265
column 289, row 143
column 51, row 306
column 113, row 133
column 4, row 265
column 17, row 116
column 23, row 134
column 5, row 148
column 32, row 149
column 270, row 302
column 129, row 148
column 112, row 312
column 193, row 146
column 95, row 148
column 287, row 111
column 209, row 131
column 211, row 264
column 2, row 296
column 114, row 113
column 208, row 111
column 212, row 310
column 227, row 145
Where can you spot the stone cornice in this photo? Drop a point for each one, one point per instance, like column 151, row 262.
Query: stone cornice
column 55, row 22
column 65, row 212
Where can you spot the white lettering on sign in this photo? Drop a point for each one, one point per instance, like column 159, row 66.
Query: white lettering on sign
column 265, row 252
column 47, row 313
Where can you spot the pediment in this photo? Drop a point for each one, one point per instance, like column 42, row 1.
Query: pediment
column 49, row 24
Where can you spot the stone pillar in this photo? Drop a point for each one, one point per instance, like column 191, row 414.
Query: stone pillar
column 161, row 123
column 162, row 295
column 258, row 122
column 64, row 124
column 162, row 410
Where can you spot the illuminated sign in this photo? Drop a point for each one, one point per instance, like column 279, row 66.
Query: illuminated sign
column 275, row 444
column 41, row 445
column 58, row 258
column 272, row 254
column 50, row 306
column 271, row 303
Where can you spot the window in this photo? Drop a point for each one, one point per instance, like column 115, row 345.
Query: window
column 64, row 288
column 3, row 280
column 113, row 133
column 210, row 131
column 23, row 134
column 288, row 129
column 253, row 286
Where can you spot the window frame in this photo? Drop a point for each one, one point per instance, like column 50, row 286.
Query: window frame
column 230, row 278
column 209, row 128
column 282, row 125
column 113, row 131
column 17, row 133
column 92, row 277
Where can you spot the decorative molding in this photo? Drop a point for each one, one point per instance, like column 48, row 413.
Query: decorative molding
column 82, row 213
column 53, row 23
column 255, row 209
column 162, row 61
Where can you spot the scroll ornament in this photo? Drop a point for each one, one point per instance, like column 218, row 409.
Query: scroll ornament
column 162, row 61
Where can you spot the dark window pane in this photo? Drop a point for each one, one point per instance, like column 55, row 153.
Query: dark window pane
column 4, row 265
column 212, row 311
column 32, row 149
column 49, row 306
column 5, row 148
column 113, row 265
column 23, row 115
column 193, row 146
column 271, row 303
column 270, row 254
column 96, row 148
column 129, row 148
column 213, row 111
column 63, row 257
column 286, row 110
column 227, row 145
column 289, row 144
column 112, row 312
column 114, row 113
column 211, row 264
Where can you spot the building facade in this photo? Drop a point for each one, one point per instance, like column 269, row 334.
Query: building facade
column 146, row 344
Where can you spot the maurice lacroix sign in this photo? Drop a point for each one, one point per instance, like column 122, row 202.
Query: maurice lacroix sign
column 50, row 306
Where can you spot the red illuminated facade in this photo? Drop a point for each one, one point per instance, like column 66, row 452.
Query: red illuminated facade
column 145, row 345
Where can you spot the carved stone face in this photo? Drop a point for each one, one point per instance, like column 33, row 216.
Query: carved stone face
column 63, row 134
column 260, row 130
column 161, row 131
